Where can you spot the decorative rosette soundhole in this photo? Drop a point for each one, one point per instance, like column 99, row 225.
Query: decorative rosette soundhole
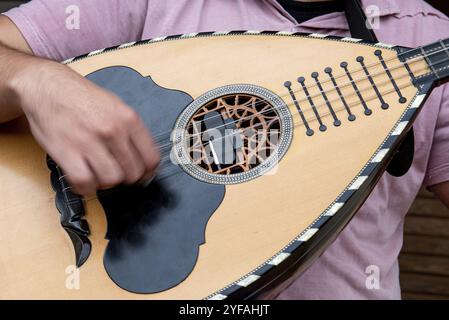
column 233, row 134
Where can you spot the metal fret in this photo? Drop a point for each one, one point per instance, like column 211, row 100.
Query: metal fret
column 443, row 45
column 429, row 63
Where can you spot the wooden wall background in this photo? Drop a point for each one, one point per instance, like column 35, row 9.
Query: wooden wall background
column 424, row 260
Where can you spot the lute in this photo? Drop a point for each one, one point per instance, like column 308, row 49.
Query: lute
column 270, row 142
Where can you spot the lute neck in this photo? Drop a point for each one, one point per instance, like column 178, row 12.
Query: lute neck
column 436, row 56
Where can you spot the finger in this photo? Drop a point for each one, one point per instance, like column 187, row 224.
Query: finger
column 147, row 149
column 129, row 159
column 76, row 170
column 78, row 173
column 106, row 169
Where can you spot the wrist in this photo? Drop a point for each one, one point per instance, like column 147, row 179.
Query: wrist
column 16, row 79
column 24, row 78
column 18, row 73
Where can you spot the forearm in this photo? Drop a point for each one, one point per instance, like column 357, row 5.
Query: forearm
column 12, row 64
column 15, row 55
column 96, row 139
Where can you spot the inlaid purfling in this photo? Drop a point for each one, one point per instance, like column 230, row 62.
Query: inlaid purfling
column 288, row 85
column 383, row 104
column 302, row 81
column 368, row 111
column 402, row 99
column 337, row 122
column 351, row 116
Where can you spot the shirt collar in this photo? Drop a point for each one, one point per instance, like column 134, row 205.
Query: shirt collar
column 337, row 20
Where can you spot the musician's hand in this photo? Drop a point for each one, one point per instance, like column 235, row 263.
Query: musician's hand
column 97, row 140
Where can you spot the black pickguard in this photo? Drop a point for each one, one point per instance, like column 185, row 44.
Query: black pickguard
column 154, row 232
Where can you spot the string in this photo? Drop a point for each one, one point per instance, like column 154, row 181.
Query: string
column 170, row 145
column 312, row 119
column 382, row 72
column 176, row 169
column 300, row 124
column 416, row 59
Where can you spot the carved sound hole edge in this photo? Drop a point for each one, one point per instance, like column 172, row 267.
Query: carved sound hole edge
column 257, row 132
column 182, row 152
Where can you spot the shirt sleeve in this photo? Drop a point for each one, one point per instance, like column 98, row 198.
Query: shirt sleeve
column 438, row 165
column 61, row 29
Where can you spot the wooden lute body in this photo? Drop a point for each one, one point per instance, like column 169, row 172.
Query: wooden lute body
column 238, row 230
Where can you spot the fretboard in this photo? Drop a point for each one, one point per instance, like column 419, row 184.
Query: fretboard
column 437, row 57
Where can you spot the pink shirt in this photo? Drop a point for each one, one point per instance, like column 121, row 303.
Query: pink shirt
column 374, row 236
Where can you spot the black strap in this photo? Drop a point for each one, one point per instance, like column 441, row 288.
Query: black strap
column 357, row 21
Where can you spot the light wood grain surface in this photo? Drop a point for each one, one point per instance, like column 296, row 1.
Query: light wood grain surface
column 256, row 219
